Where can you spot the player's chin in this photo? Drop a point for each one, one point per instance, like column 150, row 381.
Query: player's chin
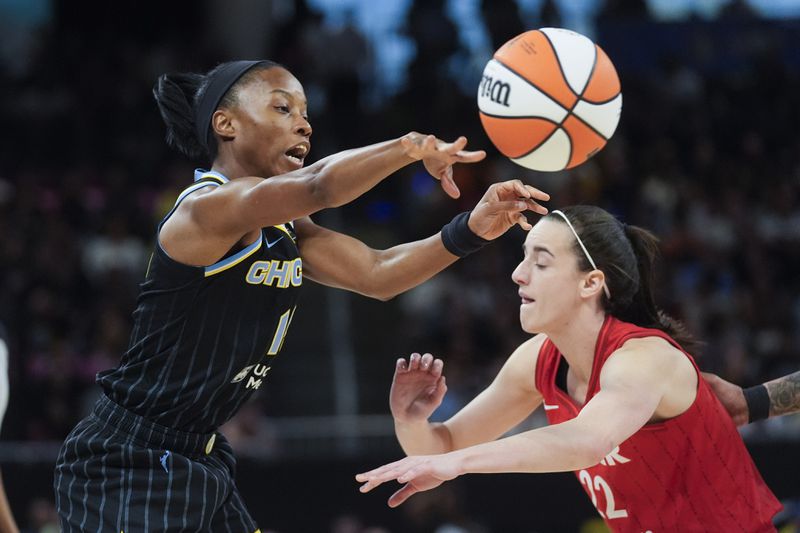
column 528, row 320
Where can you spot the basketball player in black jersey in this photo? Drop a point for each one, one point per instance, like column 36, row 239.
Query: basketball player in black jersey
column 221, row 288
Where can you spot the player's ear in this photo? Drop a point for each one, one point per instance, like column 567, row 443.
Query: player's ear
column 592, row 283
column 222, row 124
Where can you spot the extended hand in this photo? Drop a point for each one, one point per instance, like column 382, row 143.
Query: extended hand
column 417, row 388
column 418, row 472
column 502, row 206
column 731, row 397
column 439, row 157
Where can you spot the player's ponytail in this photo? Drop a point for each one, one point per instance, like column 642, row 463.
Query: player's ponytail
column 642, row 310
column 626, row 255
column 175, row 95
column 188, row 101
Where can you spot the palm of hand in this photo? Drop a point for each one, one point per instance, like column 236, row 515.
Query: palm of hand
column 427, row 482
column 410, row 397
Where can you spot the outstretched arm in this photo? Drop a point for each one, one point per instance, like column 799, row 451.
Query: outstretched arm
column 632, row 385
column 337, row 260
column 211, row 220
column 782, row 397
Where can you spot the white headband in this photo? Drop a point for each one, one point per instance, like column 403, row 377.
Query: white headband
column 585, row 251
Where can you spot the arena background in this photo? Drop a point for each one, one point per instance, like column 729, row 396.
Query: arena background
column 707, row 155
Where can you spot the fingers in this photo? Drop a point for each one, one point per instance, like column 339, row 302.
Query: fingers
column 463, row 156
column 537, row 194
column 422, row 363
column 456, row 146
column 382, row 474
column 437, row 367
column 429, row 144
column 402, row 495
column 523, row 222
column 439, row 391
column 426, row 361
column 536, row 208
column 401, row 365
column 521, row 190
column 507, row 205
column 448, row 183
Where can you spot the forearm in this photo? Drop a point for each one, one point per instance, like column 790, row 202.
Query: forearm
column 343, row 177
column 405, row 266
column 558, row 448
column 423, row 438
column 784, row 394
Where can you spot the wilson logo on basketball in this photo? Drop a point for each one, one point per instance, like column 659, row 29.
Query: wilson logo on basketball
column 495, row 90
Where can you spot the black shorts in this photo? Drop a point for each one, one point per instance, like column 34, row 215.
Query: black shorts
column 120, row 472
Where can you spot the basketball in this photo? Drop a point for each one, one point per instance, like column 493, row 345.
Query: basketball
column 549, row 99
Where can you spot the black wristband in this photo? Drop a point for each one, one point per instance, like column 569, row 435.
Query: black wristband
column 757, row 399
column 459, row 239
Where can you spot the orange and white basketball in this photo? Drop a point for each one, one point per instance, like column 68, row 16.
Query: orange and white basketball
column 550, row 99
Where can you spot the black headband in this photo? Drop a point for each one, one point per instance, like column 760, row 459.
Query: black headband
column 221, row 81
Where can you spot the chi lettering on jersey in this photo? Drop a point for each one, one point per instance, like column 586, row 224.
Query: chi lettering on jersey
column 274, row 273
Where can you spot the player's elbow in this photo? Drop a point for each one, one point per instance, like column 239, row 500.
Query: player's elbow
column 380, row 293
column 379, row 280
column 595, row 449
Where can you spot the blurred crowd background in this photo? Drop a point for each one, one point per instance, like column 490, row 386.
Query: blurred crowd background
column 707, row 155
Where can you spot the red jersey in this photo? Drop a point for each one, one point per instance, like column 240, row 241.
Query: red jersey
column 689, row 473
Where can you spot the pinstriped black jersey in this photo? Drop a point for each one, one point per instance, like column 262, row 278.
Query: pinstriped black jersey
column 203, row 337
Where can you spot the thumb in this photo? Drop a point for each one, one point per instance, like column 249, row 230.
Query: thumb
column 439, row 392
column 448, row 183
column 402, row 495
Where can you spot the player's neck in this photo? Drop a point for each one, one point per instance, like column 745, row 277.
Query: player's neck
column 230, row 166
column 229, row 169
column 577, row 340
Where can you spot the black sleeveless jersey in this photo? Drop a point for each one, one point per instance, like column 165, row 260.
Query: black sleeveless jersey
column 203, row 338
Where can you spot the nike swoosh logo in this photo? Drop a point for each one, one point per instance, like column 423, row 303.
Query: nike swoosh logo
column 549, row 407
column 273, row 243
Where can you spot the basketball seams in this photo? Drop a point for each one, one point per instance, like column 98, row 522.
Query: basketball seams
column 529, row 82
column 600, row 102
column 587, row 125
column 587, row 77
column 529, row 152
column 561, row 69
column 544, row 141
column 527, row 117
column 569, row 111
column 597, row 51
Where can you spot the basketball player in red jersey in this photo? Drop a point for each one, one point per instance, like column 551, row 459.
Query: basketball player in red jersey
column 646, row 437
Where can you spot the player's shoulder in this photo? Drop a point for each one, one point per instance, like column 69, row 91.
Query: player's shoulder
column 649, row 346
column 534, row 344
column 527, row 353
column 650, row 353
